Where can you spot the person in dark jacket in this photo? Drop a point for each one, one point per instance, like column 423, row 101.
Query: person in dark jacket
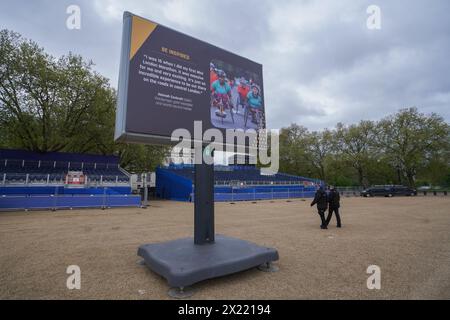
column 320, row 199
column 333, row 206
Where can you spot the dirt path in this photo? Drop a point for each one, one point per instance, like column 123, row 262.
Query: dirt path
column 408, row 238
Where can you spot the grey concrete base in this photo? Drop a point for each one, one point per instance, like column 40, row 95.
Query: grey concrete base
column 180, row 293
column 141, row 262
column 183, row 263
column 268, row 267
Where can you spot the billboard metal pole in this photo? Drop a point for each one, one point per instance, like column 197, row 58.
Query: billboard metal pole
column 144, row 184
column 204, row 202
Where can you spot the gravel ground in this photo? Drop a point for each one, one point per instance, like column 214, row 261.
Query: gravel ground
column 408, row 238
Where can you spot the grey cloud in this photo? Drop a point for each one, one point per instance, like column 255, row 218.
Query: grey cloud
column 321, row 64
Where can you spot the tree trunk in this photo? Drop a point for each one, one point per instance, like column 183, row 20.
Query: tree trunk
column 411, row 180
column 361, row 177
column 399, row 176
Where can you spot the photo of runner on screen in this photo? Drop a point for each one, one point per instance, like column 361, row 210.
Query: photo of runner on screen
column 236, row 98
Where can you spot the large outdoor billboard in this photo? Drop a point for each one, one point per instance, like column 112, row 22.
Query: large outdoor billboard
column 169, row 80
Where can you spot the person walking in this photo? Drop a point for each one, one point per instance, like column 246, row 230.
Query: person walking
column 321, row 200
column 333, row 206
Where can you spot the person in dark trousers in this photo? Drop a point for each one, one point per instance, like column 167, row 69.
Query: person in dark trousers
column 333, row 206
column 320, row 199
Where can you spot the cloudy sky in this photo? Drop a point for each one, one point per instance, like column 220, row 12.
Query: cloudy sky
column 322, row 65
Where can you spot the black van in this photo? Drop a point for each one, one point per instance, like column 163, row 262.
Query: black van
column 388, row 191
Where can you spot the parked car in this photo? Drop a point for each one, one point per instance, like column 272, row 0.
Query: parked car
column 388, row 191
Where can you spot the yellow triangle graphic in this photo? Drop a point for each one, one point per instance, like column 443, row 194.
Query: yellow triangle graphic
column 140, row 31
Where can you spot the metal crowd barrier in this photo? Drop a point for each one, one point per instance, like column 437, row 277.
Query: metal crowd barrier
column 254, row 196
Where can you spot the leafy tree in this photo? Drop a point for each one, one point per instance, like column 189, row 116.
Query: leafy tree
column 49, row 104
column 355, row 144
column 292, row 150
column 410, row 139
column 398, row 149
column 319, row 146
column 141, row 158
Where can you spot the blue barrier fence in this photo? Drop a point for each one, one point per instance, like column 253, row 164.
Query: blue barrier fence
column 60, row 190
column 269, row 195
column 229, row 193
column 23, row 202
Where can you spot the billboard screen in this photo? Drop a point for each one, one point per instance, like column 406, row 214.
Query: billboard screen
column 168, row 80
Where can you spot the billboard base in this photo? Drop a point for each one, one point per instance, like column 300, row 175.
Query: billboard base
column 183, row 263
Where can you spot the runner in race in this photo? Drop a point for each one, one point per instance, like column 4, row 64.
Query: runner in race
column 243, row 90
column 212, row 72
column 254, row 102
column 221, row 92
